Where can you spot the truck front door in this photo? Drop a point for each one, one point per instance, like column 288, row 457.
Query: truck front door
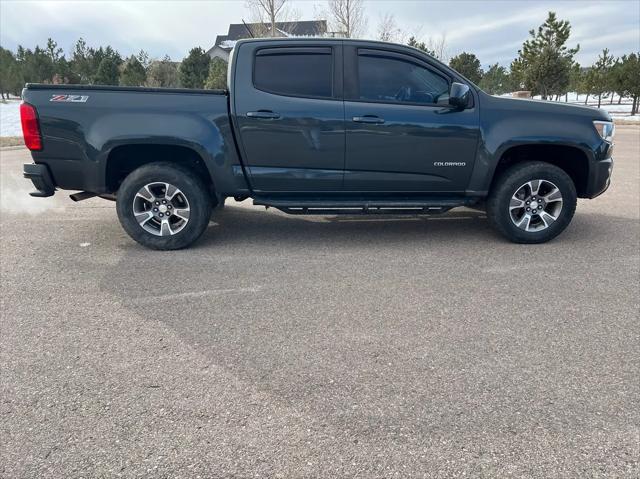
column 289, row 115
column 401, row 134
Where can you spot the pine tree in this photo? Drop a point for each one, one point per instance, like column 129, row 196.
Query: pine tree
column 96, row 57
column 517, row 74
column 143, row 58
column 85, row 62
column 9, row 74
column 6, row 61
column 575, row 79
column 217, row 78
column 413, row 42
column 80, row 62
column 599, row 75
column 631, row 74
column 468, row 65
column 54, row 53
column 163, row 73
column 62, row 72
column 195, row 69
column 587, row 83
column 36, row 65
column 108, row 73
column 15, row 78
column 133, row 73
column 495, row 80
column 544, row 63
column 617, row 80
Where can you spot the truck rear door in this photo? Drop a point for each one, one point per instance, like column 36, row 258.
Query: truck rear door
column 289, row 115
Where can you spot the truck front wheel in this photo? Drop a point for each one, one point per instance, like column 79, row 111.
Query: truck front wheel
column 163, row 206
column 532, row 202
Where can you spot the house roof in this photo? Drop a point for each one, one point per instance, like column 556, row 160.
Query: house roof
column 306, row 28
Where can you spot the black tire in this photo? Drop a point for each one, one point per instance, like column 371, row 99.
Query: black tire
column 506, row 185
column 193, row 189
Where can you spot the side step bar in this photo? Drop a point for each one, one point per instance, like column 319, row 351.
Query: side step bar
column 360, row 206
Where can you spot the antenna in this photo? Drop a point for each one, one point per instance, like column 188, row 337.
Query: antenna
column 248, row 29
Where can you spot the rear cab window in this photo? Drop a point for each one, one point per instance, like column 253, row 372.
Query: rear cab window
column 295, row 71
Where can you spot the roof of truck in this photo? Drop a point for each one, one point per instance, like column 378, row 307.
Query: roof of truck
column 332, row 39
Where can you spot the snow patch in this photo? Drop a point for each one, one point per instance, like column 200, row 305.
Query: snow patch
column 228, row 43
column 10, row 118
column 617, row 111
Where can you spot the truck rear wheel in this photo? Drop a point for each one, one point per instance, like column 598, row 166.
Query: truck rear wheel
column 532, row 202
column 163, row 206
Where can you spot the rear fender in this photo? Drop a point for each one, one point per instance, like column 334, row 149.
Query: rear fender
column 210, row 140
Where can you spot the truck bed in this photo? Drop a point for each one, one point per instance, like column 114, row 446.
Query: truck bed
column 85, row 127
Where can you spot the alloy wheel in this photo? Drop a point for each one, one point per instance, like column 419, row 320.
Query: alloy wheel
column 535, row 205
column 161, row 209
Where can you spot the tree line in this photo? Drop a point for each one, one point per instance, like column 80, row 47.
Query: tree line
column 105, row 66
column 545, row 65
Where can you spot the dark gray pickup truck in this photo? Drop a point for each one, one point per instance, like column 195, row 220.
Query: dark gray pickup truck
column 318, row 126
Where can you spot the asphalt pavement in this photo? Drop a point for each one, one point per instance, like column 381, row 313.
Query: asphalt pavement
column 292, row 346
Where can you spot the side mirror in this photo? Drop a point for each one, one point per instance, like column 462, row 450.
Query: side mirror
column 459, row 95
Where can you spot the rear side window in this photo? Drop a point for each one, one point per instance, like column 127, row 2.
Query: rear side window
column 395, row 80
column 295, row 72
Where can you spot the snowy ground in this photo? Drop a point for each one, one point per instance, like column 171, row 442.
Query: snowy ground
column 10, row 114
column 617, row 112
column 10, row 118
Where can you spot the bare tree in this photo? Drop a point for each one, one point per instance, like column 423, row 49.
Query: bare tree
column 439, row 47
column 435, row 46
column 347, row 17
column 388, row 30
column 267, row 13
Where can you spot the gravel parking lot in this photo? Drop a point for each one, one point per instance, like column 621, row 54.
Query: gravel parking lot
column 284, row 346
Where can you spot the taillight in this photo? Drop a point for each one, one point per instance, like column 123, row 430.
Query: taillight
column 30, row 127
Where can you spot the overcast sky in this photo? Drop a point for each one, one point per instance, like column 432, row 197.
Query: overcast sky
column 493, row 30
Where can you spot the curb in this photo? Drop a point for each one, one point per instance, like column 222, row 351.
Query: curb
column 16, row 147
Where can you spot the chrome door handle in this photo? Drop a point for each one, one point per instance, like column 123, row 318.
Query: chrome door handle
column 368, row 119
column 263, row 115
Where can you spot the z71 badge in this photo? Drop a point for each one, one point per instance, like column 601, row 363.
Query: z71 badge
column 70, row 98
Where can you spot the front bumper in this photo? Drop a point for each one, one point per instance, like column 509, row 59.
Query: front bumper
column 41, row 179
column 600, row 168
column 600, row 177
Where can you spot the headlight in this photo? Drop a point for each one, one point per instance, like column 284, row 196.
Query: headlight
column 605, row 129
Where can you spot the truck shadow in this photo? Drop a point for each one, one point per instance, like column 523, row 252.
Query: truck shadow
column 309, row 310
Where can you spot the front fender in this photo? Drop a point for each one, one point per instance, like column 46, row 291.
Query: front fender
column 503, row 126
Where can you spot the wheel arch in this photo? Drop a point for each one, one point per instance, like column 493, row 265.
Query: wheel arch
column 125, row 158
column 572, row 159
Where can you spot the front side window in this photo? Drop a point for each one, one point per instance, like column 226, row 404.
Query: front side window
column 394, row 80
column 307, row 74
